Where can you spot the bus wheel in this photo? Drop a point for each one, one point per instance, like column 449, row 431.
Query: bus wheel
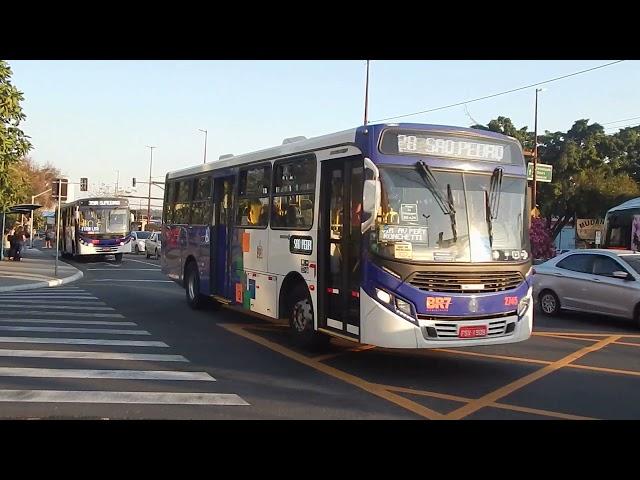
column 147, row 252
column 137, row 250
column 192, row 287
column 118, row 257
column 301, row 323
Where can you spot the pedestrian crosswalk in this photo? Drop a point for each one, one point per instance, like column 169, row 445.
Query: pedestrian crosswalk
column 66, row 346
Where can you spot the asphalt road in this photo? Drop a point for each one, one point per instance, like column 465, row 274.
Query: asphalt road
column 122, row 343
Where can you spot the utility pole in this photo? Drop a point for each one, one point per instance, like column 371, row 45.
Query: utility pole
column 117, row 181
column 535, row 153
column 149, row 200
column 55, row 271
column 366, row 96
column 205, row 144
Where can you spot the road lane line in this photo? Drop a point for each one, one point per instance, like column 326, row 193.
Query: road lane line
column 117, row 280
column 53, row 303
column 334, row 372
column 92, row 355
column 156, row 398
column 57, row 307
column 140, row 261
column 84, row 341
column 108, row 331
column 123, row 270
column 105, row 374
column 362, row 348
column 70, row 322
column 494, row 396
column 63, row 314
column 490, row 355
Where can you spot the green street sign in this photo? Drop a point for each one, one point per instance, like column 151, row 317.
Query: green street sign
column 543, row 172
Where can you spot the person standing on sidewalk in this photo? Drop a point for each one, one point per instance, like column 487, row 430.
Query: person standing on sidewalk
column 6, row 244
column 17, row 244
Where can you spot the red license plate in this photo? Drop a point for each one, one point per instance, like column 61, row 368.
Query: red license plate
column 472, row 331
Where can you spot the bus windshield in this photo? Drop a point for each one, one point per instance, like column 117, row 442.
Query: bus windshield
column 103, row 220
column 445, row 216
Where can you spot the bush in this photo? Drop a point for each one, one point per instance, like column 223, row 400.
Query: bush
column 541, row 243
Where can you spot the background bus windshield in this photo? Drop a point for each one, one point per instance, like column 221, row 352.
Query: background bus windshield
column 450, row 219
column 103, row 220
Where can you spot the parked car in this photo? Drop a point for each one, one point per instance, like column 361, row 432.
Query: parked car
column 596, row 281
column 138, row 240
column 153, row 245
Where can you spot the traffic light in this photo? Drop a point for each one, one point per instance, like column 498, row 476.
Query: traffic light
column 84, row 184
column 61, row 185
column 134, row 181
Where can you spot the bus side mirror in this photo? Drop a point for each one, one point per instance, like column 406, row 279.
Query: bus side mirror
column 371, row 194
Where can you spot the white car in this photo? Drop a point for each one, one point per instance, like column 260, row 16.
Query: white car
column 153, row 245
column 137, row 242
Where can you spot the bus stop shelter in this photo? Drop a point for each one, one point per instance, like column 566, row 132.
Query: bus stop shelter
column 23, row 208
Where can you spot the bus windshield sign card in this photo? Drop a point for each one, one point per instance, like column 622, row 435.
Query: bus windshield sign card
column 408, row 212
column 389, row 233
column 300, row 244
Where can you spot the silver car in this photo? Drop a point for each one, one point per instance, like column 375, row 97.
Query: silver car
column 137, row 241
column 152, row 245
column 596, row 281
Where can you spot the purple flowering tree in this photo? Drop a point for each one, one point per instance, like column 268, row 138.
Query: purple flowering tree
column 541, row 243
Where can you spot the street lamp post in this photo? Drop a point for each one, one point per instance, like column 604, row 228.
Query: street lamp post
column 149, row 201
column 117, row 181
column 205, row 145
column 33, row 199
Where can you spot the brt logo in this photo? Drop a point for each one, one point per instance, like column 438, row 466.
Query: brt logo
column 438, row 303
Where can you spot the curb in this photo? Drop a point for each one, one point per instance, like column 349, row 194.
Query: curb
column 51, row 283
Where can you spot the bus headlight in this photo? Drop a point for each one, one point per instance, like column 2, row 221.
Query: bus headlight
column 404, row 307
column 383, row 296
column 523, row 306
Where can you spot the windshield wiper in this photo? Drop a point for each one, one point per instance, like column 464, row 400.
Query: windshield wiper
column 495, row 189
column 492, row 200
column 445, row 204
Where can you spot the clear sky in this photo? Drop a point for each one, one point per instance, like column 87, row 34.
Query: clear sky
column 93, row 118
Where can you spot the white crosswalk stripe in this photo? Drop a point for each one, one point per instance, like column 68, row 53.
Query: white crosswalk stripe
column 123, row 370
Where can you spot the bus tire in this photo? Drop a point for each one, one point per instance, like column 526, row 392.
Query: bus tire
column 148, row 256
column 118, row 257
column 301, row 322
column 137, row 250
column 192, row 287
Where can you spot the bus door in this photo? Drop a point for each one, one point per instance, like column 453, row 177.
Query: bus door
column 221, row 235
column 340, row 255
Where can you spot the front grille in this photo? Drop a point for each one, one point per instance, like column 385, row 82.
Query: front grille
column 448, row 330
column 465, row 282
column 440, row 318
column 106, row 249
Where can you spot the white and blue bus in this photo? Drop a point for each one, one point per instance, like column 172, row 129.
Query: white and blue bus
column 95, row 226
column 395, row 235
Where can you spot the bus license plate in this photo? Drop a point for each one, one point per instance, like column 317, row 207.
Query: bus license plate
column 472, row 331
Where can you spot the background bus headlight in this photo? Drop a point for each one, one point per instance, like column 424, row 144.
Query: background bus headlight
column 523, row 305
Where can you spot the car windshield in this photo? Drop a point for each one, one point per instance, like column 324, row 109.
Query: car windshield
column 143, row 235
column 633, row 261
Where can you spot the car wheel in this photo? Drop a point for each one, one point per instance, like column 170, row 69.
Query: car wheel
column 302, row 324
column 148, row 254
column 157, row 256
column 549, row 303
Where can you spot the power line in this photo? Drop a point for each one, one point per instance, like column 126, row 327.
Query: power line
column 500, row 93
column 623, row 120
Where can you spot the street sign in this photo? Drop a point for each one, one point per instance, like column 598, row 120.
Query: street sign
column 84, row 184
column 63, row 188
column 543, row 172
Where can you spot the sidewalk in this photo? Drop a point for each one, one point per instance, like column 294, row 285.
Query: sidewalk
column 35, row 271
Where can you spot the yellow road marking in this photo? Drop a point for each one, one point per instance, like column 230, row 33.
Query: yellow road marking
column 490, row 355
column 607, row 370
column 586, row 339
column 628, row 344
column 589, row 334
column 503, row 406
column 339, row 374
column 321, row 358
column 492, row 397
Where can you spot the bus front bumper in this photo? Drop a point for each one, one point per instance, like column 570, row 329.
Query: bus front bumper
column 381, row 327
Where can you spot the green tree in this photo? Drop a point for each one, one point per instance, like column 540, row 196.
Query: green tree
column 14, row 144
column 592, row 171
